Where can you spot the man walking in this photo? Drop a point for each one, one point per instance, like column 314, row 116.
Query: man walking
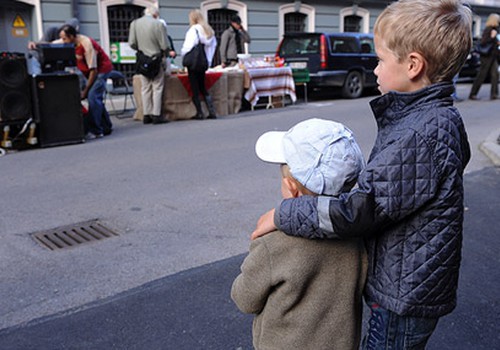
column 232, row 42
column 148, row 35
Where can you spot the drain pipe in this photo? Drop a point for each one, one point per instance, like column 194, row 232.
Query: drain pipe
column 74, row 9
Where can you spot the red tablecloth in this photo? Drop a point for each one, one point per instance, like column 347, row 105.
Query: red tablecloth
column 210, row 79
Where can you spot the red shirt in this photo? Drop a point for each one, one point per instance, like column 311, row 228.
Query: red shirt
column 90, row 55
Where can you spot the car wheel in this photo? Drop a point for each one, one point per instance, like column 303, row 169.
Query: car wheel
column 353, row 85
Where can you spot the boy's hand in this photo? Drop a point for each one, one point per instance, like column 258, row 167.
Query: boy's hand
column 264, row 225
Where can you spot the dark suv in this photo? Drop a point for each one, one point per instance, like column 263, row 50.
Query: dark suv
column 345, row 60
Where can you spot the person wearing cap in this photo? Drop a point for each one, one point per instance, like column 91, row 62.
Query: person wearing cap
column 306, row 291
column 232, row 42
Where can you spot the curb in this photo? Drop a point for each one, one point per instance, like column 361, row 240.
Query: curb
column 491, row 148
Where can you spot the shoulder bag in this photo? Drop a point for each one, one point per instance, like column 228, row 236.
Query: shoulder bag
column 148, row 66
column 196, row 59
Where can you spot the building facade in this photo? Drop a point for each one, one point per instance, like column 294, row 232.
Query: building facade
column 108, row 21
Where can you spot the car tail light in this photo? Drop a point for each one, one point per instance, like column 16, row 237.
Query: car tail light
column 322, row 52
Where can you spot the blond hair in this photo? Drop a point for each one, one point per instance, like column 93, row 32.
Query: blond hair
column 196, row 17
column 493, row 20
column 439, row 30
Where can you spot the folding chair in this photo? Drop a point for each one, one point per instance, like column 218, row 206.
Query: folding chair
column 119, row 87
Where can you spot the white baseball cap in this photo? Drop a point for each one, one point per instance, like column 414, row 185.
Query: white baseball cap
column 322, row 154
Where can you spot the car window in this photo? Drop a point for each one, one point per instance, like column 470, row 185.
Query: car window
column 344, row 45
column 367, row 45
column 296, row 46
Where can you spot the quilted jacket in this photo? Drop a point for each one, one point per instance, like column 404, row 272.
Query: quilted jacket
column 408, row 204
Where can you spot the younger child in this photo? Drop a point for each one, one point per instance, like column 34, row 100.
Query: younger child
column 306, row 294
column 409, row 203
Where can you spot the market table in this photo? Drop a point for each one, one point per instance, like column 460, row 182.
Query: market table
column 269, row 82
column 225, row 87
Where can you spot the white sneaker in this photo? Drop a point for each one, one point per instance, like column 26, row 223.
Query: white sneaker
column 92, row 136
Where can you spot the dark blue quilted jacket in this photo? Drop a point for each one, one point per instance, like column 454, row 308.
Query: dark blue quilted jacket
column 409, row 204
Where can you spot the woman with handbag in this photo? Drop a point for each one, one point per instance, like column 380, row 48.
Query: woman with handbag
column 488, row 49
column 197, row 51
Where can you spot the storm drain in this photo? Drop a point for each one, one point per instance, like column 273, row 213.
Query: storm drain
column 73, row 235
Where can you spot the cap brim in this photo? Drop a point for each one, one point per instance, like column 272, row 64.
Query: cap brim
column 269, row 147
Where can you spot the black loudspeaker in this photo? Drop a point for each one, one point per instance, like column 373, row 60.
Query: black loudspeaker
column 58, row 109
column 15, row 88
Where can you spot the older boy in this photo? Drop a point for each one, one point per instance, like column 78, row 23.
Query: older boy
column 409, row 204
column 306, row 294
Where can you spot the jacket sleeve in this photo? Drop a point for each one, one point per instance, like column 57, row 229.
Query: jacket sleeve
column 223, row 46
column 253, row 285
column 132, row 40
column 395, row 184
column 163, row 38
column 245, row 36
column 190, row 40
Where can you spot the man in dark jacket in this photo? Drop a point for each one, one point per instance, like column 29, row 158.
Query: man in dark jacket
column 409, row 203
column 232, row 42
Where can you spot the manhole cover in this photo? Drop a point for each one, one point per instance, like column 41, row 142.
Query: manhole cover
column 73, row 235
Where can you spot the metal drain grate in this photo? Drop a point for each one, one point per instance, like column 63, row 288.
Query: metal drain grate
column 73, row 235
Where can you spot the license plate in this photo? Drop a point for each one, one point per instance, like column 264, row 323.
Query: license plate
column 298, row 65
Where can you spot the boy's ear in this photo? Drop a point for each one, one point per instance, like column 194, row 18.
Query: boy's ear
column 416, row 65
column 291, row 186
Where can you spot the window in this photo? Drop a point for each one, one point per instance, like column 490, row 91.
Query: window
column 354, row 19
column 119, row 18
column 344, row 45
column 367, row 45
column 352, row 23
column 295, row 22
column 296, row 17
column 300, row 45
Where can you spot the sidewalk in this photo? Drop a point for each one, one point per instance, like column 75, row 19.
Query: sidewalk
column 191, row 310
column 491, row 147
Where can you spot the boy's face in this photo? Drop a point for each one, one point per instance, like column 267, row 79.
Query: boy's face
column 391, row 74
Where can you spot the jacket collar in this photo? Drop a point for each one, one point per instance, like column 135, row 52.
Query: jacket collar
column 395, row 105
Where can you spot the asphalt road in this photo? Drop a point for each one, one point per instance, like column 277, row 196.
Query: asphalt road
column 183, row 198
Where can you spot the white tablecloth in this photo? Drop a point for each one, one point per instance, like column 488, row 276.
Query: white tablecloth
column 270, row 82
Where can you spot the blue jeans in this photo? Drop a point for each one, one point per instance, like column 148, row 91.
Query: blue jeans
column 389, row 331
column 99, row 121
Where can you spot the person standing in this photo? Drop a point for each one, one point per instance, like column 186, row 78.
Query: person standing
column 311, row 293
column 95, row 65
column 200, row 31
column 233, row 42
column 409, row 203
column 148, row 35
column 489, row 62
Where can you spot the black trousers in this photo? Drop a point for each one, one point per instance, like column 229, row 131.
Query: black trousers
column 489, row 66
column 197, row 82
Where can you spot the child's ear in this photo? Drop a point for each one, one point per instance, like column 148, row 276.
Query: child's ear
column 416, row 65
column 291, row 186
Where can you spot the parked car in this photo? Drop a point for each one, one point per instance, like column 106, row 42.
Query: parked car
column 344, row 60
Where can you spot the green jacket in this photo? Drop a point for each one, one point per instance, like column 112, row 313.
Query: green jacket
column 305, row 294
